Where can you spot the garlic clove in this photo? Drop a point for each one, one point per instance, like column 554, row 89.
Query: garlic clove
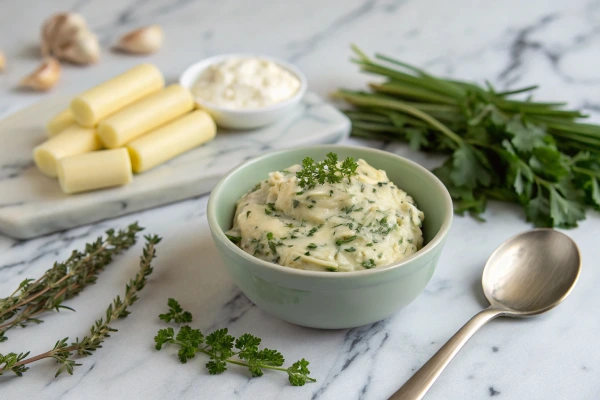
column 144, row 40
column 83, row 49
column 2, row 61
column 67, row 37
column 44, row 77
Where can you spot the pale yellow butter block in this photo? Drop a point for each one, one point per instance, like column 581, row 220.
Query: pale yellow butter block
column 91, row 106
column 95, row 170
column 71, row 141
column 61, row 121
column 170, row 140
column 145, row 115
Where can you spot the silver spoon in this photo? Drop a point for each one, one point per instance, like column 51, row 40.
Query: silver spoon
column 527, row 275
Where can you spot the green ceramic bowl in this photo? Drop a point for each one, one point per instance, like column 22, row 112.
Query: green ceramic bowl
column 324, row 299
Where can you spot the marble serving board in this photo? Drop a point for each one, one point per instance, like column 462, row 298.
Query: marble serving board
column 32, row 204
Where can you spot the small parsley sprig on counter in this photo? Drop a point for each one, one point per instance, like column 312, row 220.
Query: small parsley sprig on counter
column 327, row 170
column 536, row 154
column 176, row 313
column 219, row 346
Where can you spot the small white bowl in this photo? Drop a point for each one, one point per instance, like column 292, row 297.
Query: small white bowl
column 246, row 118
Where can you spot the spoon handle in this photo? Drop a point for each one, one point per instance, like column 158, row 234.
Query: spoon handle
column 417, row 386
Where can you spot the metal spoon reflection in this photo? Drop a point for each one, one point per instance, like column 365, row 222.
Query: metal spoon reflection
column 527, row 275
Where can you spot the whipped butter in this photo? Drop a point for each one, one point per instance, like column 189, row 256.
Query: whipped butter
column 245, row 83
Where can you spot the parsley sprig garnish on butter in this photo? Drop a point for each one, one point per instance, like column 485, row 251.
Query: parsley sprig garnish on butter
column 328, row 170
column 223, row 349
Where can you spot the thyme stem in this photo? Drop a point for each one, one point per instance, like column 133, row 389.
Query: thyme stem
column 99, row 331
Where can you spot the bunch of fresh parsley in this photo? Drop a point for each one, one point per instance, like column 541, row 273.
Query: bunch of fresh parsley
column 219, row 346
column 328, row 170
column 531, row 153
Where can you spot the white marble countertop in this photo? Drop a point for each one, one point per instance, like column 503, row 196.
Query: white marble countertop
column 555, row 356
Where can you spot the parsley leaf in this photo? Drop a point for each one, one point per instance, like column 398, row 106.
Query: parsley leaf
column 526, row 137
column 467, row 168
column 176, row 313
column 189, row 339
column 298, row 373
column 163, row 337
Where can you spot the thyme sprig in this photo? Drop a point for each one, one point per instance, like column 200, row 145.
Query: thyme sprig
column 62, row 351
column 63, row 281
column 328, row 170
column 219, row 346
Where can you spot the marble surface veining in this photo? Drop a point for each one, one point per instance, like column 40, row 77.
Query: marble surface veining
column 512, row 43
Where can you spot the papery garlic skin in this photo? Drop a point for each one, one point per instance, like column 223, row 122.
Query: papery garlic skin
column 67, row 37
column 44, row 77
column 144, row 40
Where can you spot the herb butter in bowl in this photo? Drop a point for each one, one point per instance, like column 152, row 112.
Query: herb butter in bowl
column 330, row 243
column 244, row 91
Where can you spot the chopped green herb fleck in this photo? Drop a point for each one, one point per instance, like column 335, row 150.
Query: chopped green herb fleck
column 296, row 203
column 234, row 239
column 331, row 269
column 369, row 264
column 307, row 253
column 350, row 249
column 297, row 258
column 342, row 241
column 311, row 246
column 273, row 247
column 314, row 230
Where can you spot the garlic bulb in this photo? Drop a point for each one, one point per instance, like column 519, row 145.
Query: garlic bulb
column 2, row 61
column 44, row 77
column 67, row 37
column 144, row 40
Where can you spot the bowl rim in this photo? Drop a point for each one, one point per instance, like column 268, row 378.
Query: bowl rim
column 191, row 73
column 428, row 248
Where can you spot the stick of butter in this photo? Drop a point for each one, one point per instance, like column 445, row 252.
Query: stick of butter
column 145, row 115
column 95, row 170
column 171, row 139
column 91, row 106
column 61, row 121
column 73, row 140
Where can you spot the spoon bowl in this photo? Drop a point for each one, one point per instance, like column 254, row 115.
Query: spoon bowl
column 532, row 272
column 527, row 275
